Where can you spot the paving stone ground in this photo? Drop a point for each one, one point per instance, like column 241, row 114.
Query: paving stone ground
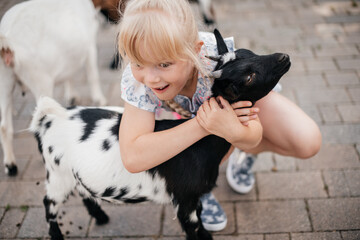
column 312, row 199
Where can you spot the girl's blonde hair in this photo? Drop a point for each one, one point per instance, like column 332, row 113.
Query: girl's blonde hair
column 167, row 28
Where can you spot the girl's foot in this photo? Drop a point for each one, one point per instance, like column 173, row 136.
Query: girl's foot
column 213, row 216
column 238, row 171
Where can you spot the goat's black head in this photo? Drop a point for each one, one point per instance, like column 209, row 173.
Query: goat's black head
column 244, row 76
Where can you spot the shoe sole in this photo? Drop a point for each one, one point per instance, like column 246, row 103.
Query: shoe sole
column 215, row 227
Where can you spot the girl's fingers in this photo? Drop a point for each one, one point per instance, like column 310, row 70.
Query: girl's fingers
column 246, row 111
column 241, row 104
column 243, row 119
column 206, row 106
column 224, row 103
column 213, row 103
column 202, row 110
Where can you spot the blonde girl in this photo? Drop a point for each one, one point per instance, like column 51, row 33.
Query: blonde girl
column 167, row 68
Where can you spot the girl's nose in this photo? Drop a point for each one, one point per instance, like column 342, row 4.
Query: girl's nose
column 151, row 77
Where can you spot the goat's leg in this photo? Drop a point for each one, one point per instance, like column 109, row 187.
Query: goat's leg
column 59, row 186
column 202, row 233
column 7, row 85
column 51, row 211
column 188, row 215
column 95, row 211
column 92, row 74
column 70, row 94
column 207, row 11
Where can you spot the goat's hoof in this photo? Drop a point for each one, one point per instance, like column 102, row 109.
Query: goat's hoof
column 56, row 234
column 114, row 65
column 73, row 102
column 204, row 235
column 102, row 219
column 11, row 170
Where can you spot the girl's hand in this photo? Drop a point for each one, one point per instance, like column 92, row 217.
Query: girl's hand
column 244, row 112
column 218, row 118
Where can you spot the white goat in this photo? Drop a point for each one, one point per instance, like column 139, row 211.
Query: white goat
column 43, row 42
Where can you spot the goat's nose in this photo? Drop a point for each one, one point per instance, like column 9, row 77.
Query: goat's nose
column 283, row 57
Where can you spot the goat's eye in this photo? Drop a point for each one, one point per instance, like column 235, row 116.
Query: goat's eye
column 250, row 78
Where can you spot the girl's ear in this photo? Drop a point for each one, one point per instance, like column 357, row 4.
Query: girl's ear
column 198, row 46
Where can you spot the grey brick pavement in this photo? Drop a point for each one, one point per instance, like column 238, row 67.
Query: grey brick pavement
column 318, row 198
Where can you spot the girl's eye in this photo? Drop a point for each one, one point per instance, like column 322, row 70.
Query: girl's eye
column 137, row 65
column 250, row 78
column 164, row 65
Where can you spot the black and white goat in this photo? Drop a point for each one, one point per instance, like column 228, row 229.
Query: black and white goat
column 43, row 42
column 80, row 148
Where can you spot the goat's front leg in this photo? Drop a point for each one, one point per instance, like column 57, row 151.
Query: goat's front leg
column 7, row 85
column 51, row 211
column 202, row 232
column 95, row 211
column 70, row 94
column 189, row 217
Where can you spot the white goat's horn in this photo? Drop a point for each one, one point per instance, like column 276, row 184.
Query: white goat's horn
column 217, row 74
column 214, row 58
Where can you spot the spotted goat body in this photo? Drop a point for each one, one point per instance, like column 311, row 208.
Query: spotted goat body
column 81, row 152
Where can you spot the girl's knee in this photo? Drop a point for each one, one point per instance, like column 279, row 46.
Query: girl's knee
column 308, row 144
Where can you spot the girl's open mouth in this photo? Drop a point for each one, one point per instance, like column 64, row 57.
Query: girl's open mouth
column 161, row 89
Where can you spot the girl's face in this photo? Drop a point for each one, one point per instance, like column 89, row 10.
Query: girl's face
column 166, row 78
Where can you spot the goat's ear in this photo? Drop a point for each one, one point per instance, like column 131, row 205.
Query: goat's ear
column 222, row 48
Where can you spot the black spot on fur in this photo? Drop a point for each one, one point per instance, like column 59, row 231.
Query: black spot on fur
column 115, row 129
column 57, row 159
column 139, row 187
column 156, row 191
column 47, row 175
column 38, row 139
column 48, row 124
column 51, row 149
column 106, row 145
column 123, row 192
column 90, row 116
column 47, row 202
column 42, row 120
column 135, row 200
column 109, row 191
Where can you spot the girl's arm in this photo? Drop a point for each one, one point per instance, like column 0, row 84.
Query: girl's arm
column 141, row 148
column 224, row 122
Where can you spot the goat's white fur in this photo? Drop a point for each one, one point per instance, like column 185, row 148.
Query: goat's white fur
column 50, row 41
column 105, row 168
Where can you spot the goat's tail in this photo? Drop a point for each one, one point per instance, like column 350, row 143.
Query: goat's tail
column 45, row 106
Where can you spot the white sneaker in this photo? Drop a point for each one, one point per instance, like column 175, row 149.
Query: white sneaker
column 213, row 216
column 238, row 171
